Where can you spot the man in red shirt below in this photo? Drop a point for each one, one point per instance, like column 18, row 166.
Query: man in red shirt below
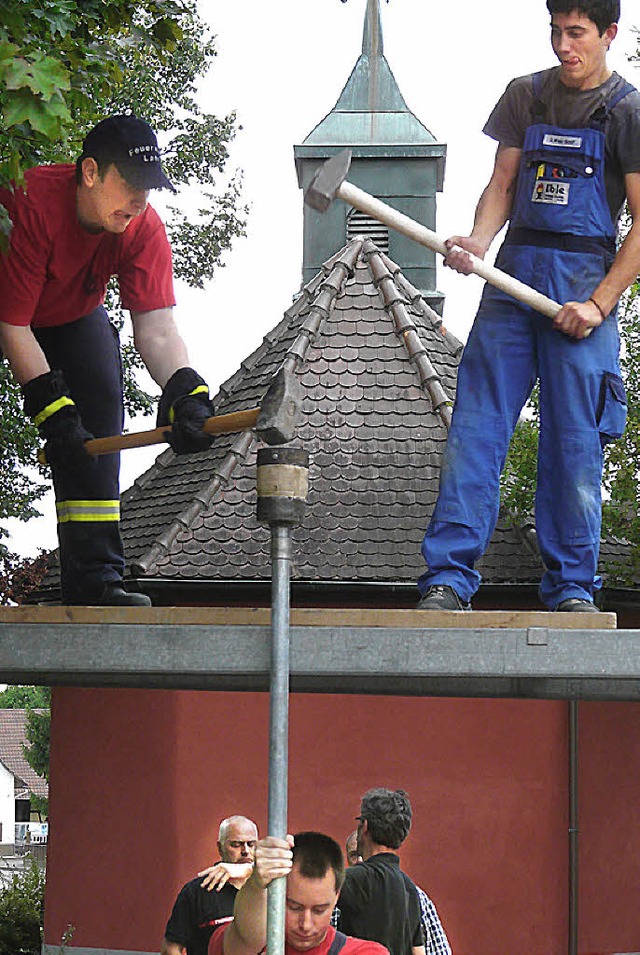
column 314, row 868
column 73, row 227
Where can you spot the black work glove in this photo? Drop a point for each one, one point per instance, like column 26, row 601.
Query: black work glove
column 185, row 405
column 49, row 404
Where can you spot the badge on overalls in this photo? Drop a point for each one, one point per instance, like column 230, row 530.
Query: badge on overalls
column 551, row 192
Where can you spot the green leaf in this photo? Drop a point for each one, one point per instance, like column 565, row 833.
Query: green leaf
column 40, row 73
column 8, row 52
column 166, row 31
column 46, row 118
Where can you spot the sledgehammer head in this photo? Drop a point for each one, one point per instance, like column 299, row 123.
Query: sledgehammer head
column 324, row 186
column 280, row 409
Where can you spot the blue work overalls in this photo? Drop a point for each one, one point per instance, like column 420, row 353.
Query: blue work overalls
column 561, row 241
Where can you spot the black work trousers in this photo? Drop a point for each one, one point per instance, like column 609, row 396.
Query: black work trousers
column 87, row 352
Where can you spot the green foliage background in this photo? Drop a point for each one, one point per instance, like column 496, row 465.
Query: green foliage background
column 21, row 912
column 24, row 697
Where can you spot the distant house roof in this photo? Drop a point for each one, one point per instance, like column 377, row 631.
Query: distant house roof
column 12, row 741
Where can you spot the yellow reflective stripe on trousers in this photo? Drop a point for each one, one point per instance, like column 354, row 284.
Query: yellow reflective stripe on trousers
column 87, row 511
column 199, row 390
column 51, row 409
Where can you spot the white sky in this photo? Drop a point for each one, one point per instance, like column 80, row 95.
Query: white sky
column 281, row 66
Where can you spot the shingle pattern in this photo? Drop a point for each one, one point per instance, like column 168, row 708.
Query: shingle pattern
column 378, row 371
column 12, row 740
column 614, row 554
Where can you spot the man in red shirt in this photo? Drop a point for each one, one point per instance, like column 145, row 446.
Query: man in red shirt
column 313, row 865
column 72, row 229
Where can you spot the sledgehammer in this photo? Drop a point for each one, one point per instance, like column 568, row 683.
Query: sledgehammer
column 330, row 182
column 275, row 421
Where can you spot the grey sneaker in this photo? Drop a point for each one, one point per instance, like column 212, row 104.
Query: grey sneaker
column 441, row 597
column 576, row 605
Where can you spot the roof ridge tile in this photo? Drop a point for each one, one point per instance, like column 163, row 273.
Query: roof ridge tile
column 339, row 268
column 201, row 500
column 405, row 328
column 417, row 300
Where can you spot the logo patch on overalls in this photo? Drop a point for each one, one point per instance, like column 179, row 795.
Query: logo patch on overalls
column 569, row 142
column 552, row 193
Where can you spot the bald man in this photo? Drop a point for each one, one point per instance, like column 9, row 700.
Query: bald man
column 352, row 853
column 197, row 912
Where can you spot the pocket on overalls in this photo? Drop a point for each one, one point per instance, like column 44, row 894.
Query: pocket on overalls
column 612, row 408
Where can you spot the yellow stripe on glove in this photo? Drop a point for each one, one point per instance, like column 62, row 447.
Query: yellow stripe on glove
column 51, row 409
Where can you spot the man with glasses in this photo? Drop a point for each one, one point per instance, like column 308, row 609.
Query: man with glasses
column 378, row 901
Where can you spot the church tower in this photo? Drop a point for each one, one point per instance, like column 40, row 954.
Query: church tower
column 395, row 158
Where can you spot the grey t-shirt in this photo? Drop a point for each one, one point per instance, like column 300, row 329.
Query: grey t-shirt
column 572, row 109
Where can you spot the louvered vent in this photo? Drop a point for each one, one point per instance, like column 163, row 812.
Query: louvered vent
column 360, row 224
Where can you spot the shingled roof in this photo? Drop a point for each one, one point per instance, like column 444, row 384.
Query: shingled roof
column 12, row 741
column 378, row 371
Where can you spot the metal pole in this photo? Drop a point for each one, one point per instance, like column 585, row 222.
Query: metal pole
column 282, row 490
column 278, row 723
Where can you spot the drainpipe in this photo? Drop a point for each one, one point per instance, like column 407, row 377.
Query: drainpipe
column 573, row 827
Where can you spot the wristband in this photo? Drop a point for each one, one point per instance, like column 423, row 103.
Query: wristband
column 604, row 317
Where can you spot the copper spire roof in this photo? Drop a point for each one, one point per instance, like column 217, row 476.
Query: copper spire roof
column 371, row 108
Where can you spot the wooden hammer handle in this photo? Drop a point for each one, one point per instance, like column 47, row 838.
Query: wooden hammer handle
column 219, row 424
column 414, row 230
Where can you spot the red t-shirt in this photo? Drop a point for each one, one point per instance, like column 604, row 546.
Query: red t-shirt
column 55, row 271
column 353, row 946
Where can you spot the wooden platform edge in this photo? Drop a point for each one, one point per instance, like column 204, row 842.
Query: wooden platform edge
column 311, row 617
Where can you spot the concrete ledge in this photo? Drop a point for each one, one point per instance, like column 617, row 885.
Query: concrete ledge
column 532, row 662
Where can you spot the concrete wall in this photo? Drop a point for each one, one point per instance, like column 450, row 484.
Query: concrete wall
column 140, row 780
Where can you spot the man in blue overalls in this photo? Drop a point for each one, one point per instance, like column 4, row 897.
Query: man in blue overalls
column 568, row 156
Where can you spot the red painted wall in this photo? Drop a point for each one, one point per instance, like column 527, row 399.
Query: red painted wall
column 113, row 809
column 609, row 736
column 140, row 780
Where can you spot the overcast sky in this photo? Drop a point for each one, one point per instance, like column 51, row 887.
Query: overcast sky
column 281, row 65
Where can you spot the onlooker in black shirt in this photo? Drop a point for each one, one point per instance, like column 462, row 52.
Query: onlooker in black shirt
column 197, row 911
column 378, row 901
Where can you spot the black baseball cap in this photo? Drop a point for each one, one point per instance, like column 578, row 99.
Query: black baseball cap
column 131, row 145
